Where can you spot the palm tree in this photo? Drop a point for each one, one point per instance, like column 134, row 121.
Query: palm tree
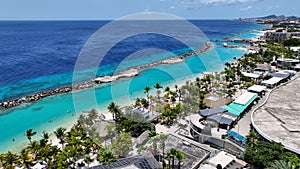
column 26, row 159
column 169, row 114
column 105, row 156
column 47, row 153
column 10, row 160
column 176, row 87
column 157, row 86
column 122, row 144
column 171, row 154
column 167, row 89
column 81, row 120
column 114, row 109
column 154, row 140
column 179, row 93
column 281, row 164
column 60, row 134
column 1, row 159
column 180, row 157
column 152, row 134
column 34, row 147
column 92, row 115
column 146, row 90
column 110, row 129
column 45, row 139
column 111, row 108
column 162, row 141
column 88, row 160
column 252, row 138
column 137, row 102
column 29, row 134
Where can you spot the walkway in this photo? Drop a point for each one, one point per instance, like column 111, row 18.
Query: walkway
column 243, row 125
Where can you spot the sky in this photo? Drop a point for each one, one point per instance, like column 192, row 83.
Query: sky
column 113, row 9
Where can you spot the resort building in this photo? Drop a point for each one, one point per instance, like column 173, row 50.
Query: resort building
column 236, row 138
column 194, row 152
column 263, row 67
column 213, row 101
column 254, row 76
column 223, row 160
column 287, row 63
column 216, row 117
column 278, row 78
column 222, row 117
column 271, row 83
column 241, row 104
column 280, row 35
column 196, row 124
column 142, row 111
column 141, row 161
column 259, row 89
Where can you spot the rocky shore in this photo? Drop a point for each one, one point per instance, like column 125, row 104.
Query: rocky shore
column 131, row 72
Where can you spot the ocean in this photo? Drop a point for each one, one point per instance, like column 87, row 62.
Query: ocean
column 40, row 55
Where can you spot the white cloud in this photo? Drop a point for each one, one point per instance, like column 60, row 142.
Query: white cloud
column 224, row 2
column 246, row 8
column 192, row 4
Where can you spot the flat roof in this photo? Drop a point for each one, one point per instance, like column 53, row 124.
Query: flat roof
column 232, row 110
column 195, row 120
column 251, row 75
column 245, row 98
column 193, row 151
column 214, row 101
column 264, row 67
column 237, row 136
column 288, row 60
column 272, row 81
column 207, row 166
column 220, row 119
column 283, row 75
column 222, row 158
column 236, row 108
column 145, row 160
column 278, row 119
column 209, row 112
column 257, row 88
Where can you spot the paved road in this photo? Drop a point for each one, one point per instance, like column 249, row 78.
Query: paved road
column 243, row 126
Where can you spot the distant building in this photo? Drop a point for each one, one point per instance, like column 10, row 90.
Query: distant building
column 280, row 35
column 263, row 67
column 287, row 63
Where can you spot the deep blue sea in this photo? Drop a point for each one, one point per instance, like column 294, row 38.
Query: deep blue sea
column 40, row 55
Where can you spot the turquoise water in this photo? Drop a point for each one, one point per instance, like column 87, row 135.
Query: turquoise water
column 52, row 48
column 38, row 115
column 248, row 35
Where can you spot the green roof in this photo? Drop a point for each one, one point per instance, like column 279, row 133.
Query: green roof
column 232, row 110
column 236, row 108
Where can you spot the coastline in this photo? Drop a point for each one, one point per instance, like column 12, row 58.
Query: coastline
column 68, row 122
column 130, row 72
column 57, row 105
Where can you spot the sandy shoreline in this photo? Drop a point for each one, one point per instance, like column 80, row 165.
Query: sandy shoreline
column 130, row 72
